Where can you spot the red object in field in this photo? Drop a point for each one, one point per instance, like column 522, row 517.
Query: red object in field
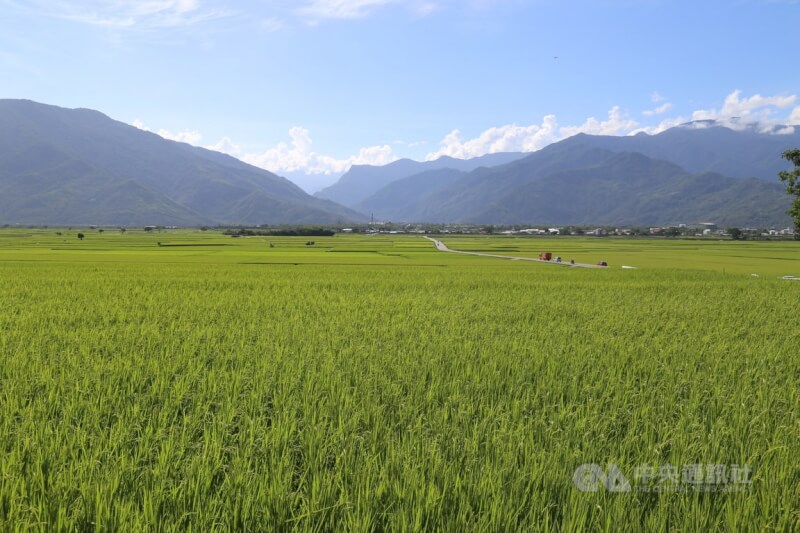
column 545, row 256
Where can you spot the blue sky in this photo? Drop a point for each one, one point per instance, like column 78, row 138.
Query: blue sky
column 308, row 87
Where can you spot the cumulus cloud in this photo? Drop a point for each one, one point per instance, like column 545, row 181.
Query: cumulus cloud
column 295, row 156
column 660, row 110
column 766, row 113
column 514, row 138
column 738, row 112
column 616, row 124
column 298, row 155
column 185, row 136
column 794, row 118
column 510, row 138
column 226, row 146
column 664, row 125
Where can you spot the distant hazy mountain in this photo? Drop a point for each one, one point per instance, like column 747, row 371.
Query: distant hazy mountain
column 311, row 183
column 364, row 180
column 707, row 146
column 575, row 182
column 403, row 197
column 64, row 166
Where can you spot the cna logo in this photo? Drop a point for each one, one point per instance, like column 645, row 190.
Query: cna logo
column 694, row 477
column 590, row 477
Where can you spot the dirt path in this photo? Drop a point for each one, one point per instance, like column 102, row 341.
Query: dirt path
column 443, row 248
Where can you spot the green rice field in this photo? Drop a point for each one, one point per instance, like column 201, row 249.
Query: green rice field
column 190, row 381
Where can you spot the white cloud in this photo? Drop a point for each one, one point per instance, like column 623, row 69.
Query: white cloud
column 660, row 110
column 514, row 138
column 271, row 24
column 736, row 112
column 656, row 98
column 662, row 126
column 226, row 146
column 615, row 124
column 125, row 17
column 794, row 118
column 295, row 156
column 185, row 136
column 339, row 9
column 423, row 9
column 298, row 155
column 314, row 11
column 741, row 112
column 124, row 14
column 510, row 138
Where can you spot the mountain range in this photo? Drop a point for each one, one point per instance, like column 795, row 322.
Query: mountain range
column 727, row 148
column 361, row 181
column 695, row 172
column 77, row 166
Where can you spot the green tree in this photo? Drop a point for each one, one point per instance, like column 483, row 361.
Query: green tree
column 81, row 236
column 736, row 234
column 791, row 178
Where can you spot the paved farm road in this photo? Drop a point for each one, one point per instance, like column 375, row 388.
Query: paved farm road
column 443, row 248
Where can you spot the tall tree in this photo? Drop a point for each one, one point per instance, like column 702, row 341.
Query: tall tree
column 792, row 180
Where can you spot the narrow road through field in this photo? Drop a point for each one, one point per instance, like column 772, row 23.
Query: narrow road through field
column 443, row 248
